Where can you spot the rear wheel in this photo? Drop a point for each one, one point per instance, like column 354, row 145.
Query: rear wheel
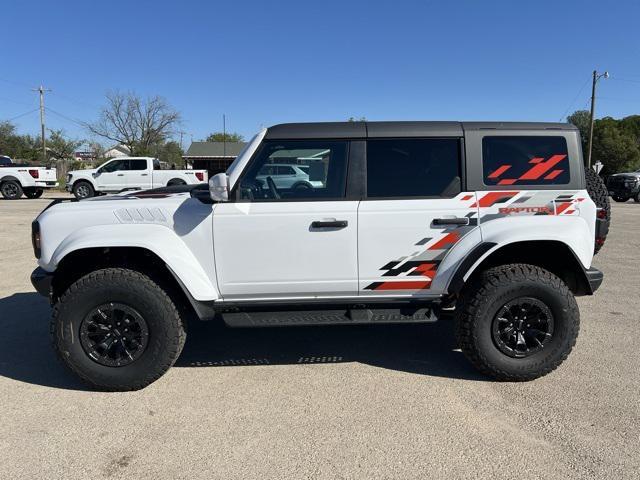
column 117, row 330
column 600, row 195
column 620, row 199
column 517, row 322
column 11, row 190
column 82, row 190
column 637, row 198
column 33, row 192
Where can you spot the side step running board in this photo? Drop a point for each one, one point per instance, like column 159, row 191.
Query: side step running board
column 354, row 316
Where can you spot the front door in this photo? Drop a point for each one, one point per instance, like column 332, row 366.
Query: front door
column 112, row 176
column 275, row 242
column 413, row 215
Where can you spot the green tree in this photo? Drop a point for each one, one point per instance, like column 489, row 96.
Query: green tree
column 60, row 147
column 582, row 119
column 618, row 151
column 171, row 153
column 224, row 137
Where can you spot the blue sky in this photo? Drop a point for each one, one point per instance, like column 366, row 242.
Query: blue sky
column 269, row 62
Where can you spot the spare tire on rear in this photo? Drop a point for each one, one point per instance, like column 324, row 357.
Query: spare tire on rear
column 600, row 196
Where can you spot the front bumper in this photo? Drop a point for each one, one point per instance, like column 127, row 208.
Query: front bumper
column 594, row 277
column 623, row 191
column 41, row 281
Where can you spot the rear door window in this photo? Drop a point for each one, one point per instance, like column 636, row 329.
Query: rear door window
column 138, row 165
column 413, row 167
column 525, row 160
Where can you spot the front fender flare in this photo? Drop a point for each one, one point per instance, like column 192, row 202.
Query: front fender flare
column 158, row 239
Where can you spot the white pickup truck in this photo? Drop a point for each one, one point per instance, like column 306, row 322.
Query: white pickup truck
column 16, row 180
column 129, row 173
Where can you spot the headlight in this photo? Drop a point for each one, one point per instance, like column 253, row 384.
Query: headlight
column 69, row 178
column 35, row 238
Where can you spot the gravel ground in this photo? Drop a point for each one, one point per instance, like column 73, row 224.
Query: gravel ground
column 341, row 402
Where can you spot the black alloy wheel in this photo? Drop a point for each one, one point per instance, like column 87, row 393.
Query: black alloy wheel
column 522, row 327
column 114, row 335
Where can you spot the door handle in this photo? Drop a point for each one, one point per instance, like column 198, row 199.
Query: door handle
column 144, row 174
column 451, row 221
column 121, row 175
column 329, row 224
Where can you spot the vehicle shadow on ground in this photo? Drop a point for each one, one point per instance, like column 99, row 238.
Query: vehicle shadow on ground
column 26, row 354
column 424, row 349
column 25, row 348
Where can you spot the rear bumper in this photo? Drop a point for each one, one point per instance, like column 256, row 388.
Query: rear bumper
column 41, row 281
column 594, row 277
column 46, row 184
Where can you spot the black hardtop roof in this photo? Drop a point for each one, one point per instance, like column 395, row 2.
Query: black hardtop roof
column 292, row 131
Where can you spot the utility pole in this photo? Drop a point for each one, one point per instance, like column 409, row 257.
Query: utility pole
column 596, row 77
column 224, row 135
column 41, row 90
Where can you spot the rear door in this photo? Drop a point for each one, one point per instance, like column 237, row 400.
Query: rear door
column 414, row 213
column 276, row 242
column 139, row 175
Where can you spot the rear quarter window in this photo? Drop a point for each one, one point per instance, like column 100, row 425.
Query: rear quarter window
column 525, row 160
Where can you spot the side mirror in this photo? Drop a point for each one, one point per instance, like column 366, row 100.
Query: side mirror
column 219, row 187
column 95, row 174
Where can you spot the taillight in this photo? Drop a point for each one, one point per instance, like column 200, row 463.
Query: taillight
column 601, row 213
column 34, row 173
column 200, row 176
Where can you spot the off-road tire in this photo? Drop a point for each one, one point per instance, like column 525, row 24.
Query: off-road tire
column 78, row 191
column 33, row 192
column 600, row 195
column 483, row 298
column 165, row 328
column 11, row 190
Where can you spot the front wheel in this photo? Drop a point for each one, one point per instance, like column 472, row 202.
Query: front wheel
column 82, row 190
column 117, row 330
column 517, row 322
column 637, row 198
column 33, row 192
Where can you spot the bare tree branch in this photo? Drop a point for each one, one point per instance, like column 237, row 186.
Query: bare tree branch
column 136, row 123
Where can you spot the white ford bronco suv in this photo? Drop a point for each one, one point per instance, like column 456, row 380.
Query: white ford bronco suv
column 404, row 222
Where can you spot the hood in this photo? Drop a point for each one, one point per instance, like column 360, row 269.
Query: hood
column 87, row 171
column 626, row 174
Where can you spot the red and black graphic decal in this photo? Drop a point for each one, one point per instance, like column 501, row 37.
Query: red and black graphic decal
column 538, row 169
column 421, row 266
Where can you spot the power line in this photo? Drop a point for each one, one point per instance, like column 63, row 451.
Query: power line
column 22, row 115
column 76, row 101
column 18, row 84
column 77, row 122
column 625, row 80
column 17, row 102
column 574, row 100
